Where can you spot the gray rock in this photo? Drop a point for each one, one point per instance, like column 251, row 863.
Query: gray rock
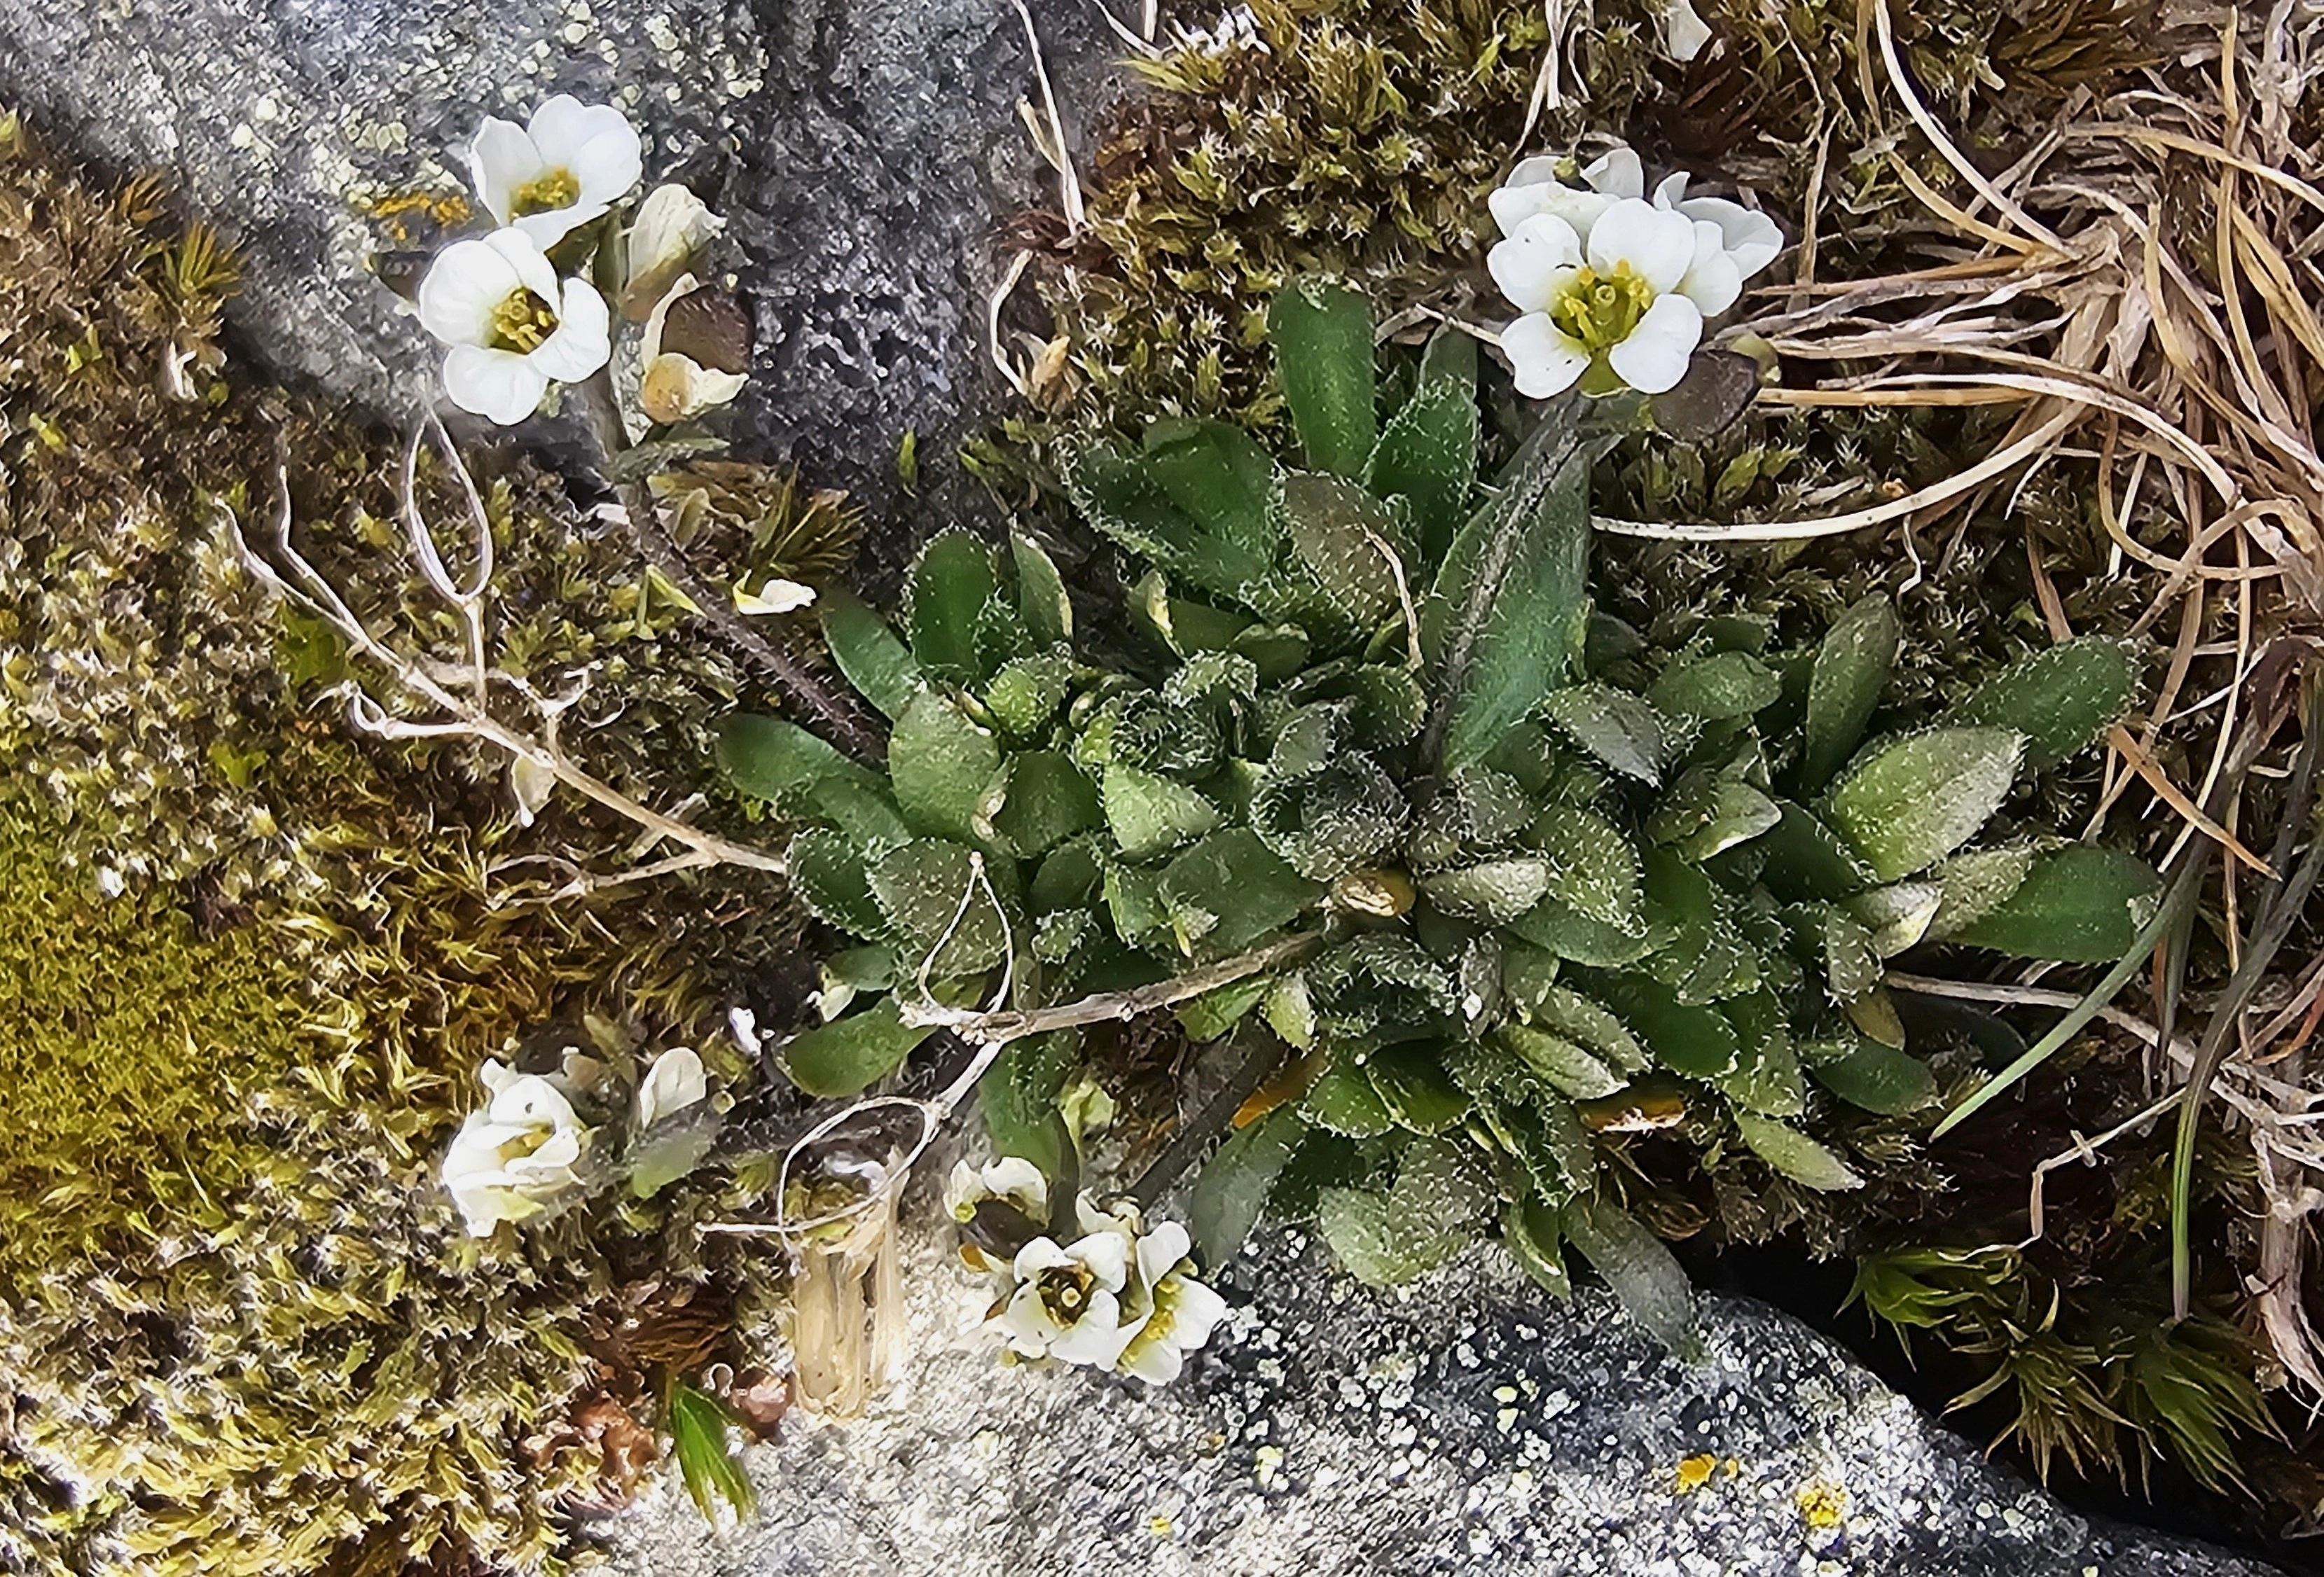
column 1467, row 1425
column 870, row 150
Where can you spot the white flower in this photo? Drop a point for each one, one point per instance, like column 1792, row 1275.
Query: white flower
column 516, row 1158
column 1067, row 1304
column 674, row 387
column 1604, row 278
column 1011, row 1178
column 1181, row 1312
column 512, row 327
column 674, row 1083
column 776, row 596
column 568, row 165
column 670, row 230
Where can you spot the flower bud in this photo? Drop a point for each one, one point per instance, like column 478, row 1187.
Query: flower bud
column 671, row 229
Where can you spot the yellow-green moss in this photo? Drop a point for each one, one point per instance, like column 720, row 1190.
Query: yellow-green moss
column 128, row 1041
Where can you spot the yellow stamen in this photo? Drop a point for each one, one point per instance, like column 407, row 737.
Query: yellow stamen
column 555, row 190
column 522, row 323
column 1601, row 310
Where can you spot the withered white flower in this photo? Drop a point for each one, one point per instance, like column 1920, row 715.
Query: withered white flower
column 774, row 595
column 674, row 1083
column 566, row 167
column 1013, row 1181
column 513, row 1160
column 530, row 784
column 671, row 385
column 1181, row 1312
column 672, row 228
column 1605, row 280
column 1011, row 1178
column 514, row 328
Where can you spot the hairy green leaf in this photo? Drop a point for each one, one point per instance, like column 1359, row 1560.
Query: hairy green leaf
column 2081, row 904
column 1905, row 804
column 942, row 766
column 1231, row 1190
column 1323, row 337
column 2060, row 699
column 950, row 582
column 1845, row 686
column 1427, row 452
column 868, row 651
column 1646, row 1277
column 1796, row 1155
column 848, row 1054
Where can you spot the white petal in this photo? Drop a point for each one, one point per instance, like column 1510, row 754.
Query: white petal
column 1016, row 1178
column 1532, row 264
column 962, row 1191
column 583, row 338
column 674, row 1083
column 1098, row 1337
column 675, row 388
column 608, row 164
column 1546, row 359
column 530, row 783
column 500, row 159
column 1537, row 170
column 1157, row 1361
column 533, row 269
column 532, row 1099
column 462, row 290
column 1752, row 238
column 1028, row 1322
column 1657, row 244
column 494, row 384
column 1671, row 189
column 1684, row 32
column 1618, row 172
column 1160, row 1249
column 1042, row 1254
column 1122, row 1221
column 557, row 1153
column 1713, row 282
column 496, row 1076
column 1655, row 356
column 1106, row 1256
column 548, row 227
column 1195, row 1311
column 562, row 124
column 1513, row 205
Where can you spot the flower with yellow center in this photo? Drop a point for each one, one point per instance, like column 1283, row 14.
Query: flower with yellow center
column 514, row 326
column 1614, row 288
column 516, row 1158
column 566, row 167
column 1067, row 1302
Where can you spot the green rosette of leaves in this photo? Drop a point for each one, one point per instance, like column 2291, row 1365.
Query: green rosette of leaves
column 1504, row 879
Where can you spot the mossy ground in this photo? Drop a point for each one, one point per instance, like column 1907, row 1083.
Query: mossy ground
column 250, row 963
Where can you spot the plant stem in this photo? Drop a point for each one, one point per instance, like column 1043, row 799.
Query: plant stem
column 1194, row 1135
column 844, row 723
